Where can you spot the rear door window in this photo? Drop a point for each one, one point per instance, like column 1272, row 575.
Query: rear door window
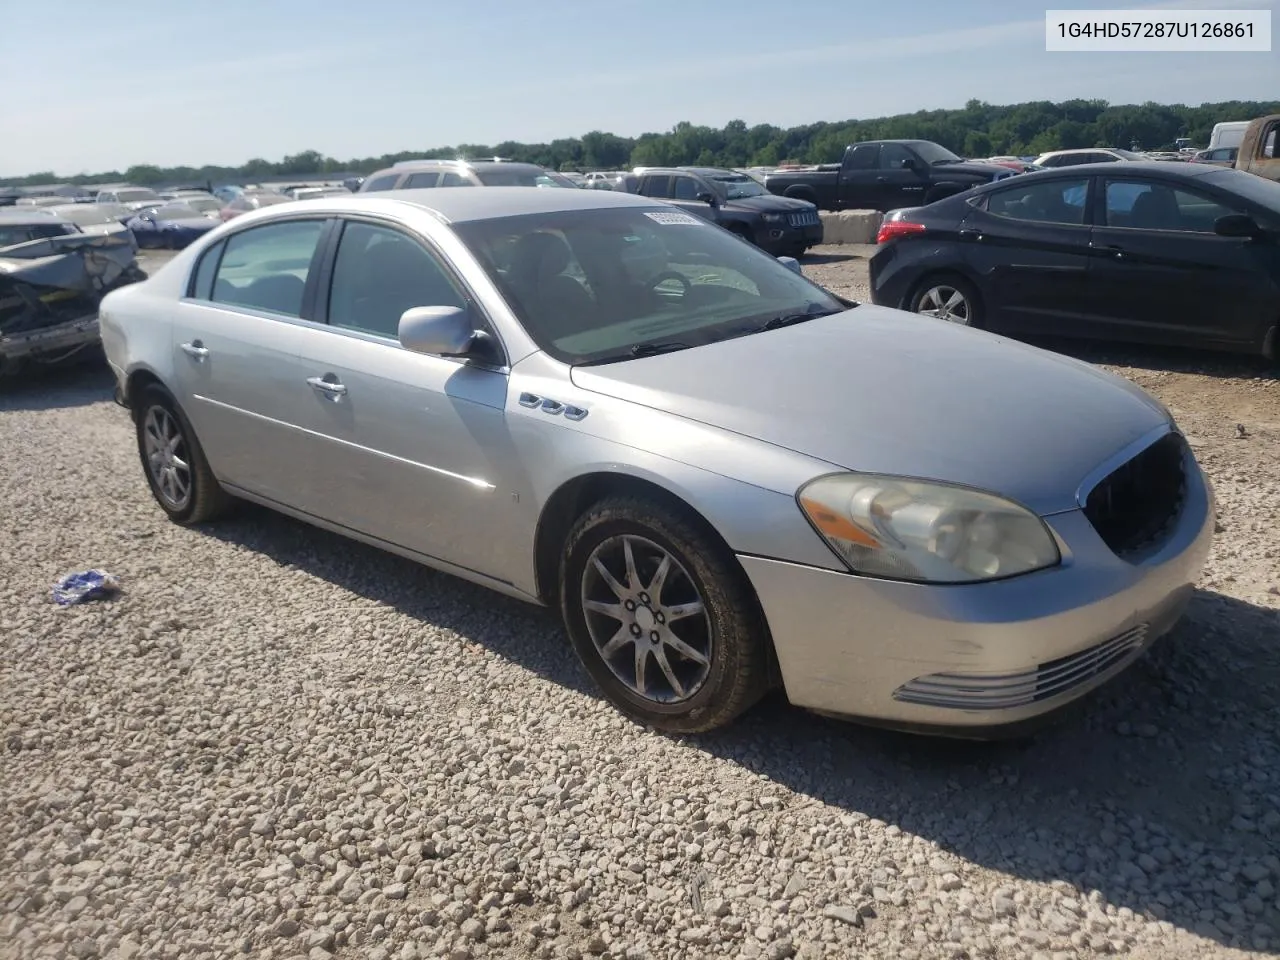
column 267, row 267
column 1054, row 201
column 658, row 187
column 417, row 180
column 863, row 157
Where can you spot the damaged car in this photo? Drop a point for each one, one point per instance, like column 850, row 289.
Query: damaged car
column 53, row 275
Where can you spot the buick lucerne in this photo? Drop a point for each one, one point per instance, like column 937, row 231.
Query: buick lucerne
column 723, row 477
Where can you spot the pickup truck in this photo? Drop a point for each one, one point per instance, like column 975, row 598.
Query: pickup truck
column 885, row 175
column 1258, row 152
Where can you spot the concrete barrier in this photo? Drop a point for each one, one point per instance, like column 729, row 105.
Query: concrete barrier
column 850, row 226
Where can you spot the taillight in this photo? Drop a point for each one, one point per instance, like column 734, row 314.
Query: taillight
column 892, row 229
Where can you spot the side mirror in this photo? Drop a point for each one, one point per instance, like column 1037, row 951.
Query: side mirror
column 444, row 331
column 706, row 198
column 791, row 263
column 1237, row 225
column 907, row 164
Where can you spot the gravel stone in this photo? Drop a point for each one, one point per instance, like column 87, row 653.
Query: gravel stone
column 278, row 744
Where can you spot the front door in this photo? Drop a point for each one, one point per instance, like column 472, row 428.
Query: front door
column 415, row 448
column 235, row 357
column 1160, row 273
column 1029, row 245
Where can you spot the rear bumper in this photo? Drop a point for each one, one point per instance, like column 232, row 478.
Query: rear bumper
column 57, row 338
column 980, row 657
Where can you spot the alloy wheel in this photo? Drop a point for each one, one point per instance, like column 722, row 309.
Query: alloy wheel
column 167, row 459
column 646, row 619
column 944, row 302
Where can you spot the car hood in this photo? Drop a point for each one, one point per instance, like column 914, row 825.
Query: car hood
column 884, row 391
column 988, row 170
column 769, row 203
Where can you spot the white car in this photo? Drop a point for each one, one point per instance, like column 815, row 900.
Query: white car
column 1072, row 158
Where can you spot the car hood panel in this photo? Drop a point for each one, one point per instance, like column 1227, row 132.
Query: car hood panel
column 883, row 391
column 769, row 203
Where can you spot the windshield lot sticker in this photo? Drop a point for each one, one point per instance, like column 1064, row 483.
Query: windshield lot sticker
column 670, row 218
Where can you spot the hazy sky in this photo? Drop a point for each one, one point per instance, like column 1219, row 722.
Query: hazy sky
column 92, row 87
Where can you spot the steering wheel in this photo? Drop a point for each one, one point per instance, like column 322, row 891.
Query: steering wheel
column 666, row 275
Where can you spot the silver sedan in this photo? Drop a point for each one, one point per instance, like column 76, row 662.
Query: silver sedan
column 725, row 478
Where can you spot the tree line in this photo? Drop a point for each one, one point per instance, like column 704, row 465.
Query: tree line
column 977, row 130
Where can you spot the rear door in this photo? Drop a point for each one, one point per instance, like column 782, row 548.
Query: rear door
column 859, row 185
column 1028, row 244
column 1159, row 272
column 902, row 178
column 235, row 341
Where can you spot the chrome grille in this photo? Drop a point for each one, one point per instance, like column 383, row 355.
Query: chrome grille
column 1135, row 506
column 1003, row 691
column 807, row 219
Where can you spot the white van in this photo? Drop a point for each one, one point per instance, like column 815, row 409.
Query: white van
column 1228, row 134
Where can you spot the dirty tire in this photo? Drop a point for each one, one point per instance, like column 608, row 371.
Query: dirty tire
column 206, row 499
column 729, row 631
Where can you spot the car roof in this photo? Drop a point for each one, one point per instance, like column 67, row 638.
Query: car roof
column 30, row 216
column 1126, row 167
column 461, row 206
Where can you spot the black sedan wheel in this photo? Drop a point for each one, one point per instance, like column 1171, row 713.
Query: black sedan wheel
column 948, row 298
column 662, row 616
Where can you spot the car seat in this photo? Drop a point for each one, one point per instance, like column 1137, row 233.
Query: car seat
column 557, row 303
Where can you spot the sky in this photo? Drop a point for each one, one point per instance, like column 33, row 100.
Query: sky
column 91, row 87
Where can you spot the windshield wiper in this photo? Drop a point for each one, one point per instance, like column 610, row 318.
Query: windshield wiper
column 788, row 319
column 640, row 350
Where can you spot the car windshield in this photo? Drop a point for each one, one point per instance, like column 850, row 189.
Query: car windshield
column 86, row 215
column 612, row 284
column 740, row 186
column 137, row 196
column 499, row 177
column 932, row 153
column 202, row 204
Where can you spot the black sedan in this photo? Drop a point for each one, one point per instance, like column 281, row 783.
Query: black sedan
column 1183, row 254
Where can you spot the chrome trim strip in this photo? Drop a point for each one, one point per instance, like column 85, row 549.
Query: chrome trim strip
column 1117, row 460
column 477, row 482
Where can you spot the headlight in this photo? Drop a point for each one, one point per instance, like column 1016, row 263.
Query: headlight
column 774, row 217
column 929, row 532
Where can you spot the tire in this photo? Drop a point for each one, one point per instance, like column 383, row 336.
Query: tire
column 158, row 418
column 804, row 194
column 727, row 631
column 934, row 296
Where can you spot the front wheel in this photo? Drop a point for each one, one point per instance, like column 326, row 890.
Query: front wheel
column 174, row 462
column 662, row 617
column 947, row 297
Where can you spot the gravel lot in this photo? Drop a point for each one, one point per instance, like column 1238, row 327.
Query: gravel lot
column 276, row 743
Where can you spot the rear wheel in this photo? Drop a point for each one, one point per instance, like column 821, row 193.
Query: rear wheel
column 662, row 617
column 174, row 462
column 947, row 297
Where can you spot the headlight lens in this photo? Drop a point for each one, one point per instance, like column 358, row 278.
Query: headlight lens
column 774, row 217
column 928, row 532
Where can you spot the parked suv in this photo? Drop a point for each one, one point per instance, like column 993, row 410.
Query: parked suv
column 739, row 203
column 416, row 174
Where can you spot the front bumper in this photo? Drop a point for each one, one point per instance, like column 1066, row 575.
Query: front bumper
column 982, row 656
column 781, row 237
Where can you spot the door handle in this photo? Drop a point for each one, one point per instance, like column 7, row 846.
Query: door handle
column 882, row 179
column 1117, row 252
column 970, row 234
column 331, row 388
column 195, row 349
